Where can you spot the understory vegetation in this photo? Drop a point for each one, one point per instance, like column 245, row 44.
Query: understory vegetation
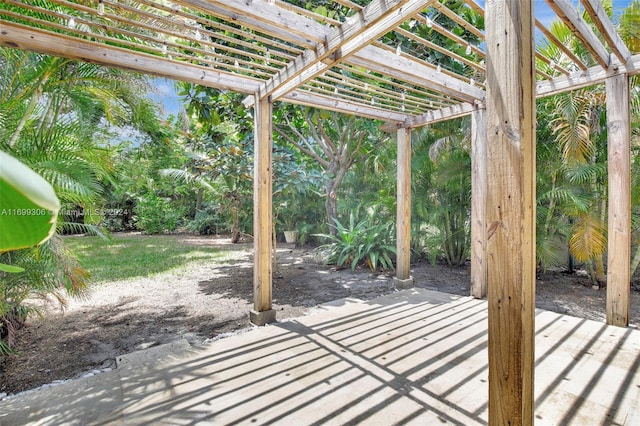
column 117, row 164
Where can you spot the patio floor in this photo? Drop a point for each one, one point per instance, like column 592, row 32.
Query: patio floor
column 413, row 357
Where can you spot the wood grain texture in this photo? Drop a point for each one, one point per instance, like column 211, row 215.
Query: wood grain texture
column 479, row 203
column 403, row 213
column 511, row 210
column 619, row 226
column 376, row 19
column 262, row 207
column 566, row 10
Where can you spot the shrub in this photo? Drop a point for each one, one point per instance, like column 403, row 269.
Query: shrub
column 156, row 214
column 208, row 221
column 50, row 272
column 365, row 242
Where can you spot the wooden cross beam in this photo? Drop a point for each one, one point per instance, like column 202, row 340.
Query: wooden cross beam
column 605, row 26
column 567, row 12
column 376, row 19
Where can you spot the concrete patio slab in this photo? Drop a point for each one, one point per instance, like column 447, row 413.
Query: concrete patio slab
column 413, row 357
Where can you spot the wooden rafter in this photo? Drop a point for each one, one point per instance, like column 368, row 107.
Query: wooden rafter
column 22, row 37
column 330, row 103
column 566, row 11
column 591, row 76
column 607, row 30
column 411, row 71
column 242, row 44
column 378, row 18
column 554, row 40
column 458, row 20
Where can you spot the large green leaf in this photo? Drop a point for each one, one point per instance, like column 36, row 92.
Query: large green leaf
column 28, row 206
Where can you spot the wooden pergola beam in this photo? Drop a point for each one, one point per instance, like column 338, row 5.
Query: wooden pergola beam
column 439, row 115
column 21, row 37
column 27, row 38
column 479, row 186
column 262, row 312
column 607, row 30
column 303, row 97
column 267, row 18
column 619, row 203
column 580, row 79
column 403, row 210
column 553, row 39
column 567, row 12
column 416, row 73
column 375, row 20
column 287, row 25
column 565, row 83
column 511, row 219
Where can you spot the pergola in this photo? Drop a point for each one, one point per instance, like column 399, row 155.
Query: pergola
column 378, row 59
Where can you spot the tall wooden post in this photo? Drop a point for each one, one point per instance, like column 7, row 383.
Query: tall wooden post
column 478, row 203
column 619, row 233
column 262, row 312
column 511, row 209
column 403, row 212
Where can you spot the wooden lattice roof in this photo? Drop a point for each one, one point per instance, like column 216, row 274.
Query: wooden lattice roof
column 408, row 62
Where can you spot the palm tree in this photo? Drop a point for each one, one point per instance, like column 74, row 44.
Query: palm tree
column 441, row 173
column 54, row 117
column 572, row 196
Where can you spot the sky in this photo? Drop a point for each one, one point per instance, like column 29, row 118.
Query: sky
column 170, row 103
column 546, row 15
column 165, row 95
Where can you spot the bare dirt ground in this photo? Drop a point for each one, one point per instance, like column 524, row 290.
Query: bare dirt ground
column 205, row 302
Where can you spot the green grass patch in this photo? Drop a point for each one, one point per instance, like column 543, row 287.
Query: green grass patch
column 131, row 256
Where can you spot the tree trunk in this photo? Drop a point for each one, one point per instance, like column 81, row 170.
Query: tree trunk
column 331, row 205
column 199, row 199
column 235, row 227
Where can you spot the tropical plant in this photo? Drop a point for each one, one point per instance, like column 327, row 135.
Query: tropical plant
column 296, row 189
column 363, row 241
column 208, row 221
column 219, row 145
column 572, row 186
column 54, row 117
column 28, row 218
column 333, row 140
column 51, row 273
column 441, row 186
column 156, row 214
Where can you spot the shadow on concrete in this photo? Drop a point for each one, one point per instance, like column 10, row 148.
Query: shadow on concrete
column 412, row 357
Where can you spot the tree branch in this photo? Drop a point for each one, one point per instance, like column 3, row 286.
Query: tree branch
column 306, row 150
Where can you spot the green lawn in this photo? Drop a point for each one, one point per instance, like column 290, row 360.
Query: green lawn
column 130, row 256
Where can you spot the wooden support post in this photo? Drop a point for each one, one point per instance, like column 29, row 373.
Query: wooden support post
column 511, row 210
column 262, row 312
column 478, row 203
column 403, row 212
column 619, row 233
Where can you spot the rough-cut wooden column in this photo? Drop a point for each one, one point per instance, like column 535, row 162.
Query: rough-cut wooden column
column 619, row 233
column 478, row 203
column 510, row 210
column 403, row 212
column 262, row 312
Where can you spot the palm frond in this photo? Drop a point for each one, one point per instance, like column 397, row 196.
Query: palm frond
column 187, row 177
column 572, row 127
column 588, row 239
column 551, row 251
